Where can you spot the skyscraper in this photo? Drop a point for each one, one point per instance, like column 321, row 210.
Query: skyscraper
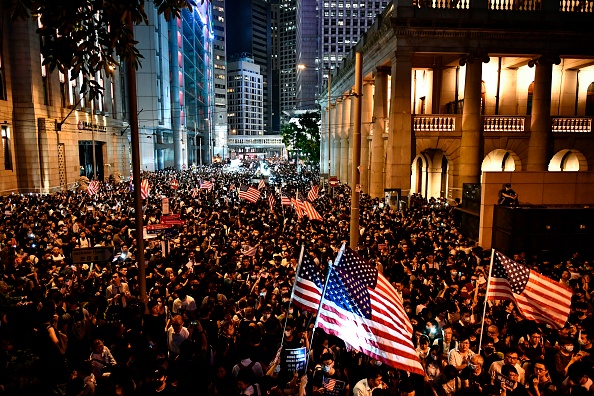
column 249, row 36
column 245, row 97
column 326, row 31
column 219, row 49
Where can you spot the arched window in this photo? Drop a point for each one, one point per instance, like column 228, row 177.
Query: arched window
column 590, row 100
column 530, row 95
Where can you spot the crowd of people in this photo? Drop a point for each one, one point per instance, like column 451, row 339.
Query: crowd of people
column 218, row 318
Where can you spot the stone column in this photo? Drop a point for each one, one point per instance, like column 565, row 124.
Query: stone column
column 344, row 139
column 470, row 142
column 540, row 122
column 323, row 140
column 400, row 142
column 351, row 130
column 366, row 119
column 380, row 113
column 337, row 127
column 332, row 137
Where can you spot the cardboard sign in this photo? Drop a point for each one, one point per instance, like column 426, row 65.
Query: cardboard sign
column 165, row 205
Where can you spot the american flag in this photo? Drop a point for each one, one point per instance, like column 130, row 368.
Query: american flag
column 93, row 187
column 206, row 185
column 332, row 386
column 298, row 205
column 312, row 195
column 361, row 307
column 261, row 185
column 174, row 184
column 249, row 193
column 194, row 192
column 271, row 202
column 537, row 297
column 145, row 189
column 311, row 212
column 249, row 251
column 286, row 201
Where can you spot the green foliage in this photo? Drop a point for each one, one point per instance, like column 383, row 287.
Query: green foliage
column 304, row 135
column 90, row 35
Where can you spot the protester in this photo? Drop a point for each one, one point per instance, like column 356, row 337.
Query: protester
column 219, row 293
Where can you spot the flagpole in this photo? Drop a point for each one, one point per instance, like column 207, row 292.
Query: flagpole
column 313, row 330
column 486, row 299
column 292, row 292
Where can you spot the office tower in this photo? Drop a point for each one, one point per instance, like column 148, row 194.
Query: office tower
column 326, row 31
column 219, row 50
column 249, row 37
column 245, row 95
column 287, row 60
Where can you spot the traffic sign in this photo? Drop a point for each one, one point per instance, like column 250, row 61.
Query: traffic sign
column 91, row 255
column 157, row 228
column 174, row 184
column 171, row 233
column 333, row 182
column 173, row 222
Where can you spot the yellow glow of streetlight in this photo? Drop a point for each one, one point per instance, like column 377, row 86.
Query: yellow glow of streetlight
column 301, row 66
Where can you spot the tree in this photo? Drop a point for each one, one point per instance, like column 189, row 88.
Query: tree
column 87, row 36
column 304, row 135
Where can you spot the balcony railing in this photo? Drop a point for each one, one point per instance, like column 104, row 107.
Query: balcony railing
column 504, row 124
column 582, row 6
column 572, row 124
column 434, row 123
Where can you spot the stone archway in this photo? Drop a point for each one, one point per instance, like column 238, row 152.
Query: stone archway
column 430, row 173
column 500, row 160
column 568, row 160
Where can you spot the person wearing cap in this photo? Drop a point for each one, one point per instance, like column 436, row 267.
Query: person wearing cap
column 507, row 196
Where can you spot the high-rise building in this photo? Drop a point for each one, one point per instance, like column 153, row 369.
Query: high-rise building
column 326, row 31
column 175, row 89
column 219, row 51
column 287, row 55
column 245, row 96
column 250, row 36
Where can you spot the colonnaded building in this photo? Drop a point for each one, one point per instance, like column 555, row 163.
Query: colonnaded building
column 455, row 88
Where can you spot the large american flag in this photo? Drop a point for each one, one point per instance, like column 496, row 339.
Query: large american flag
column 249, row 193
column 537, row 297
column 312, row 195
column 93, row 187
column 311, row 212
column 361, row 307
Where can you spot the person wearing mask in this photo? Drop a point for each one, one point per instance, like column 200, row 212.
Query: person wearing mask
column 328, row 370
column 474, row 376
column 565, row 357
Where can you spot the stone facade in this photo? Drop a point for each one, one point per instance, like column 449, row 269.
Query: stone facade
column 471, row 87
column 43, row 126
